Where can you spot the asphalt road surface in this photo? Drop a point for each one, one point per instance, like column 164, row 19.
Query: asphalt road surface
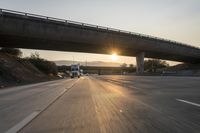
column 104, row 104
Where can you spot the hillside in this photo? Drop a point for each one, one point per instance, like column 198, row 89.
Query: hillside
column 14, row 71
column 184, row 69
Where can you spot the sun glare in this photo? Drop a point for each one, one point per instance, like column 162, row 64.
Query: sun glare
column 114, row 57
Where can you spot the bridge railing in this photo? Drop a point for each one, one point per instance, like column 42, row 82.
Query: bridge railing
column 2, row 11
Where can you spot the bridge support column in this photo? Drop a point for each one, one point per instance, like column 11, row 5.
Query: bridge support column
column 140, row 63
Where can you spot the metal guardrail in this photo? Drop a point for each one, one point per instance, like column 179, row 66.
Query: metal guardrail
column 2, row 11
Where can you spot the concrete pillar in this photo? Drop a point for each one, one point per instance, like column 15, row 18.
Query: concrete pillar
column 140, row 63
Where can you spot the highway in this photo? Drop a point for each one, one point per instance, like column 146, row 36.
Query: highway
column 103, row 104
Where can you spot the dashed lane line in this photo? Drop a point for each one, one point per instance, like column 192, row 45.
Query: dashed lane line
column 188, row 102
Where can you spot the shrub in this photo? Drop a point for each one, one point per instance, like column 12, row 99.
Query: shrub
column 12, row 51
column 43, row 65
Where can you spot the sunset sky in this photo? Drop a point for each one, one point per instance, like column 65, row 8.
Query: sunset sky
column 170, row 19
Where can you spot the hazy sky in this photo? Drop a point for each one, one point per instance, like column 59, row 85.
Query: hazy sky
column 170, row 19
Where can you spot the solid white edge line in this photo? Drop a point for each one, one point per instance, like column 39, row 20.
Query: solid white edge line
column 21, row 124
column 25, row 121
column 188, row 102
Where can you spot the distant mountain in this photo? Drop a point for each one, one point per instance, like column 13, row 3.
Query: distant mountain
column 89, row 63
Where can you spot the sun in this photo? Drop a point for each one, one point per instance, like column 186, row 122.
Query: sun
column 114, row 57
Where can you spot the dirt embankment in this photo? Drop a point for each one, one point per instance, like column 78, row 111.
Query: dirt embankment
column 14, row 71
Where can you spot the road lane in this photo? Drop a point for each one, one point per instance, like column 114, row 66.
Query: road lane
column 161, row 92
column 17, row 103
column 93, row 105
column 73, row 112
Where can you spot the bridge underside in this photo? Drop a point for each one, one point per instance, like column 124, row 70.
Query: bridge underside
column 44, row 44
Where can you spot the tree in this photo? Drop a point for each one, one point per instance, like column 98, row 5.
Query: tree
column 35, row 55
column 124, row 65
column 152, row 64
column 12, row 51
column 131, row 65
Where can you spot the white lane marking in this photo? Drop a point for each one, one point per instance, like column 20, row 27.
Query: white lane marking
column 72, row 84
column 188, row 102
column 21, row 124
column 25, row 121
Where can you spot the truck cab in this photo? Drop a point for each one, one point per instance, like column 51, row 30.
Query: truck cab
column 75, row 71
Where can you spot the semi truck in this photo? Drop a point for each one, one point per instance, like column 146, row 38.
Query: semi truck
column 75, row 71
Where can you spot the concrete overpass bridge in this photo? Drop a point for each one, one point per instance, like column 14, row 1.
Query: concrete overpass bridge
column 99, row 69
column 31, row 31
